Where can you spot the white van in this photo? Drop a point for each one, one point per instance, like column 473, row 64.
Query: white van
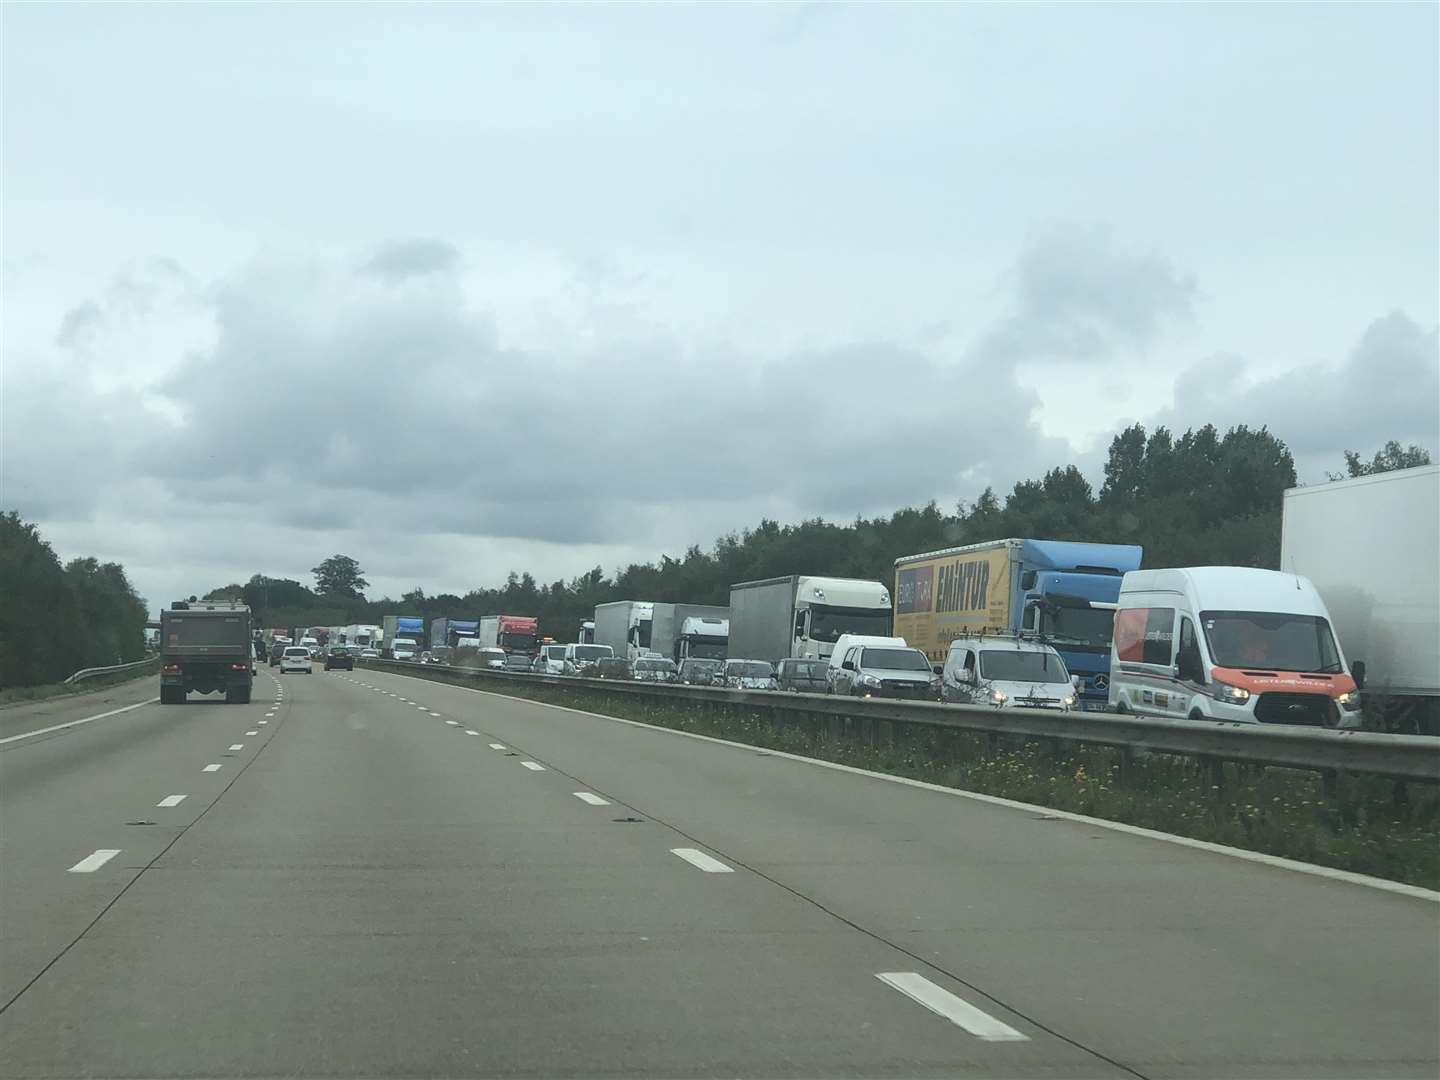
column 579, row 657
column 1006, row 672
column 553, row 656
column 1228, row 643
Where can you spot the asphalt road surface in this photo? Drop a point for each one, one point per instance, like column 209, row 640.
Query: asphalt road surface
column 364, row 874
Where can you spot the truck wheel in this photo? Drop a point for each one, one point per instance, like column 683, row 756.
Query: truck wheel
column 169, row 696
column 244, row 698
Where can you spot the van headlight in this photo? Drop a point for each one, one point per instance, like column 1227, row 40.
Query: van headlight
column 1068, row 702
column 869, row 680
column 998, row 697
column 1349, row 701
column 1231, row 695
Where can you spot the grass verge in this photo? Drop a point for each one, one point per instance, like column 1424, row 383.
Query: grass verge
column 1362, row 824
column 24, row 695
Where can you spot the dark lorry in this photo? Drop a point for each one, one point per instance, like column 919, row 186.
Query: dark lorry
column 206, row 648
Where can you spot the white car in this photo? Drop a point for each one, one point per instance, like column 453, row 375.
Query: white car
column 748, row 675
column 296, row 658
column 1006, row 672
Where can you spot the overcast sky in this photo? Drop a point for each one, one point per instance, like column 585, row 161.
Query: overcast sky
column 461, row 289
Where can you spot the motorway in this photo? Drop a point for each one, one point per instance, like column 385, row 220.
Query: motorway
column 365, row 874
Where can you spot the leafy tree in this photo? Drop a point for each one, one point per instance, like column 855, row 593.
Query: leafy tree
column 340, row 575
column 1388, row 458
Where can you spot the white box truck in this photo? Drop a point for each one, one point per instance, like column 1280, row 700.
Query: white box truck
column 625, row 625
column 1371, row 546
column 683, row 631
column 800, row 615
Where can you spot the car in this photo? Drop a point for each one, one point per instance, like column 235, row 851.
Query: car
column 315, row 652
column 518, row 662
column 1006, row 672
column 802, row 675
column 656, row 669
column 276, row 651
column 296, row 658
column 340, row 657
column 579, row 659
column 887, row 671
column 700, row 671
column 845, row 642
column 492, row 658
column 369, row 654
column 748, row 675
column 538, row 666
column 612, row 667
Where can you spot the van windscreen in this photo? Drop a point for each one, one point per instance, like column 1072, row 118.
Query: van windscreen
column 1270, row 641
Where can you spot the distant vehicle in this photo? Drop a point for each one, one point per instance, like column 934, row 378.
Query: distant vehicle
column 803, row 616
column 512, row 633
column 518, row 662
column 749, row 675
column 551, row 659
column 579, row 658
column 1061, row 590
column 803, row 675
column 449, row 632
column 656, row 669
column 1006, row 672
column 625, row 626
column 491, row 658
column 369, row 654
column 681, row 631
column 587, row 633
column 276, row 651
column 1369, row 546
column 402, row 636
column 363, row 636
column 847, row 642
column 539, row 666
column 612, row 667
column 1229, row 643
column 702, row 672
column 315, row 652
column 340, row 657
column 442, row 655
column 296, row 658
column 887, row 671
column 206, row 648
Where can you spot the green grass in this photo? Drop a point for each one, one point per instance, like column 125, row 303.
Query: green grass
column 22, row 695
column 1359, row 825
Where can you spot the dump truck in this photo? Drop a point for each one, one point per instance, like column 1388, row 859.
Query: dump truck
column 206, row 648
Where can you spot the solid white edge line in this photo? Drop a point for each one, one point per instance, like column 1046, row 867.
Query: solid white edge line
column 698, row 858
column 171, row 800
column 591, row 798
column 955, row 1009
column 1276, row 861
column 94, row 861
column 533, row 766
column 77, row 723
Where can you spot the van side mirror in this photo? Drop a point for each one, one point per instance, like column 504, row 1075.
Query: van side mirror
column 938, row 669
column 1357, row 672
column 1077, row 681
column 848, row 665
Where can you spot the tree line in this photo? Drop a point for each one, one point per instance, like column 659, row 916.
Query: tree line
column 54, row 619
column 1200, row 498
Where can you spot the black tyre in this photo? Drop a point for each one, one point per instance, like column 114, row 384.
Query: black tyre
column 171, row 695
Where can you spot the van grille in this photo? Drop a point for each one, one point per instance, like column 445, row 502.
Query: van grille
column 901, row 688
column 1313, row 710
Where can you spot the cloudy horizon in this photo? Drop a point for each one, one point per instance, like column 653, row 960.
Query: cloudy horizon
column 458, row 291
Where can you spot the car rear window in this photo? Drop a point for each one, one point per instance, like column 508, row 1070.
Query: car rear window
column 297, row 651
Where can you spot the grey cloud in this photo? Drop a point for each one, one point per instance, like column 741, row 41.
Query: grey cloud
column 398, row 260
column 1387, row 387
column 1079, row 297
column 78, row 324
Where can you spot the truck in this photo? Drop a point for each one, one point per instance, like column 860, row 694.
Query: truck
column 362, row 635
column 625, row 625
column 587, row 633
column 803, row 615
column 402, row 636
column 446, row 633
column 683, row 631
column 1063, row 592
column 516, row 634
column 1371, row 546
column 207, row 648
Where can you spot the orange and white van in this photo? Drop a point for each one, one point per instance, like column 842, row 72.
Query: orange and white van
column 1228, row 643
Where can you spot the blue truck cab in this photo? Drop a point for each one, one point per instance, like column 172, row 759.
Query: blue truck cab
column 1066, row 593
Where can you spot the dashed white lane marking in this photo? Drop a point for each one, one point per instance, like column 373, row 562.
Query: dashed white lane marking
column 262, row 723
column 211, row 768
column 469, row 732
column 171, row 800
column 77, row 723
column 252, row 733
column 94, row 861
column 533, row 766
column 696, row 857
column 237, row 746
column 957, row 1010
column 591, row 798
column 497, row 746
column 434, row 714
column 452, row 723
